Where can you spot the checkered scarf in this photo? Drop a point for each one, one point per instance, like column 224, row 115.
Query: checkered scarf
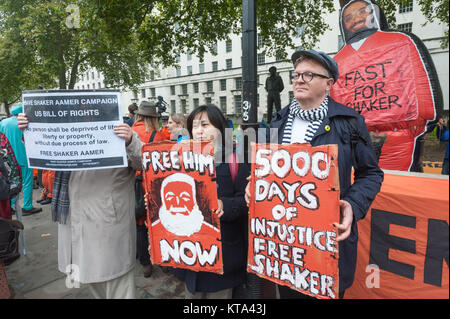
column 314, row 117
column 60, row 200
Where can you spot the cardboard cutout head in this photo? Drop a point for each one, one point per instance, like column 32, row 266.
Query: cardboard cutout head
column 359, row 19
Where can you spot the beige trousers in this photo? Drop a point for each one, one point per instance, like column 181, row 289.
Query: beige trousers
column 122, row 287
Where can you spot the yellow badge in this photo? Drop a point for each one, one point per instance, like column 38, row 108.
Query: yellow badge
column 327, row 128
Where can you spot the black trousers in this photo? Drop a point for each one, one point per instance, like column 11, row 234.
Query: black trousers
column 273, row 98
column 288, row 293
column 142, row 245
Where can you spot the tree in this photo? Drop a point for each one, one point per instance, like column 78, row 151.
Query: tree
column 51, row 42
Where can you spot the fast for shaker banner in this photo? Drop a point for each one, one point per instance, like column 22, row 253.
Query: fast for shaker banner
column 73, row 130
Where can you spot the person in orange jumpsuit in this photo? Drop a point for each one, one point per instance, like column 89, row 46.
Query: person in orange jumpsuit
column 47, row 181
column 145, row 123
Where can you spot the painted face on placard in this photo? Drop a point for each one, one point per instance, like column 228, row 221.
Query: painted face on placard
column 178, row 198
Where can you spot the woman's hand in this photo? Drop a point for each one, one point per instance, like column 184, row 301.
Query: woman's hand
column 22, row 121
column 124, row 131
column 219, row 210
column 247, row 191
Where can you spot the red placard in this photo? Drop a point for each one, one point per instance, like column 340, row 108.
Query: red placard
column 292, row 240
column 181, row 190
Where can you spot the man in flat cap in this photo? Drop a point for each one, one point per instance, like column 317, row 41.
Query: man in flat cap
column 313, row 117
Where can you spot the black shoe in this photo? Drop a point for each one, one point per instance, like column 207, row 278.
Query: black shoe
column 27, row 212
column 46, row 201
column 39, row 200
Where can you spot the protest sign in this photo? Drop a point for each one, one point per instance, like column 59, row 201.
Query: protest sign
column 292, row 240
column 73, row 130
column 181, row 190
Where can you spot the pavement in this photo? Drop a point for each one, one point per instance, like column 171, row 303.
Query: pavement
column 35, row 274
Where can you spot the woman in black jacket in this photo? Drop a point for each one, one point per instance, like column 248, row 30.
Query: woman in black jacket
column 208, row 123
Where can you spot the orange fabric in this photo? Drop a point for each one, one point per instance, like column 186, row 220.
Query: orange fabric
column 165, row 132
column 139, row 128
column 47, row 181
column 404, row 234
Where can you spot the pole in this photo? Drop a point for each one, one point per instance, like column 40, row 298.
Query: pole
column 249, row 65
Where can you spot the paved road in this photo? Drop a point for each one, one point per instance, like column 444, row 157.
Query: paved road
column 35, row 275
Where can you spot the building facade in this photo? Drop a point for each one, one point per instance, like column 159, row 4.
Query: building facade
column 217, row 78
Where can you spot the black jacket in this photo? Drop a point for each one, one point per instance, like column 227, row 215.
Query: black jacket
column 367, row 180
column 233, row 229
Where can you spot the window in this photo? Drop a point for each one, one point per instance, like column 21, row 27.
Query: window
column 209, row 86
column 406, row 7
column 299, row 30
column 261, row 58
column 238, row 83
column 152, row 75
column 279, row 55
column 201, row 67
column 99, row 85
column 183, row 106
column 229, row 63
column 215, row 66
column 142, row 93
column 88, row 87
column 184, row 89
column 208, row 100
column 189, row 69
column 223, row 84
column 223, row 104
column 229, row 46
column 178, row 71
column 259, row 41
column 406, row 27
column 93, row 75
column 93, row 85
column 237, row 104
column 87, row 76
column 189, row 56
column 173, row 108
column 214, row 48
column 195, row 87
column 172, row 89
column 196, row 103
column 153, row 92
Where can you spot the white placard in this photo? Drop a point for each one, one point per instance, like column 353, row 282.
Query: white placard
column 73, row 130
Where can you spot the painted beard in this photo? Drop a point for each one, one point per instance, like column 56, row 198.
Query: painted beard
column 180, row 224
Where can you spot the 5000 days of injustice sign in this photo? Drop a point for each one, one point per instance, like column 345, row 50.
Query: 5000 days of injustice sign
column 292, row 240
column 73, row 130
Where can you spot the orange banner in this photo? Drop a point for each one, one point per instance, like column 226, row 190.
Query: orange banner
column 292, row 240
column 403, row 246
column 181, row 190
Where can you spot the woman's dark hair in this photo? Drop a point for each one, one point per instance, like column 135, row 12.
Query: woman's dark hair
column 215, row 116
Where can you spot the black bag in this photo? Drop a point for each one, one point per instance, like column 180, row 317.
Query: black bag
column 139, row 210
column 9, row 240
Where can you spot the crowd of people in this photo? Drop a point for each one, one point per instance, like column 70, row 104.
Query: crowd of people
column 97, row 228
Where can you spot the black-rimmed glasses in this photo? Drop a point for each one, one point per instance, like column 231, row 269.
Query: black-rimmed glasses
column 307, row 76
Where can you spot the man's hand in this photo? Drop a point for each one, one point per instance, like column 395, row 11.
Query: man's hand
column 22, row 121
column 124, row 131
column 345, row 227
